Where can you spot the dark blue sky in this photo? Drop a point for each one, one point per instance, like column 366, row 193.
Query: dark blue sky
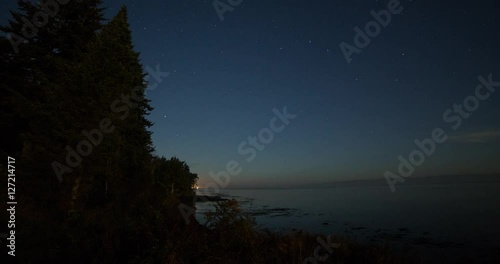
column 352, row 120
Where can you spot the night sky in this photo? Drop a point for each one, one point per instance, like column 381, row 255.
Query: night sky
column 352, row 120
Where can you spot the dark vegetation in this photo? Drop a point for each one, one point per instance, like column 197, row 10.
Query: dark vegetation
column 119, row 204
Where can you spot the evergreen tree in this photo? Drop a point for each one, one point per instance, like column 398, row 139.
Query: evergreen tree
column 174, row 176
column 32, row 108
column 112, row 182
column 35, row 111
column 58, row 88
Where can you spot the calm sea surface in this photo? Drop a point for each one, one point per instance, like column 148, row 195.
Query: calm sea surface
column 453, row 215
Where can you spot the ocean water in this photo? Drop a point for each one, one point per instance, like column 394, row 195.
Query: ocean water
column 445, row 216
